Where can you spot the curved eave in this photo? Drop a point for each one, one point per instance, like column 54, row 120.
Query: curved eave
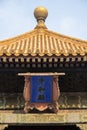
column 41, row 42
column 42, row 55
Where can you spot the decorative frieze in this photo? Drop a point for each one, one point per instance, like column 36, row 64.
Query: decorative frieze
column 73, row 100
column 62, row 117
column 43, row 59
column 66, row 101
column 62, row 62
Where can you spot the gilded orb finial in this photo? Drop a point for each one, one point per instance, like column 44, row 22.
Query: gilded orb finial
column 40, row 14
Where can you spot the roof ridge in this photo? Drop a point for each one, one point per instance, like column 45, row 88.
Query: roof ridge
column 17, row 37
column 43, row 42
column 39, row 31
column 62, row 35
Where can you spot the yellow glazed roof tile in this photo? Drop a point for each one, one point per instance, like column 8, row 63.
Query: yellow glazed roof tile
column 41, row 41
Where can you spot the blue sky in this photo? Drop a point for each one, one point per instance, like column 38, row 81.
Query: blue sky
column 68, row 17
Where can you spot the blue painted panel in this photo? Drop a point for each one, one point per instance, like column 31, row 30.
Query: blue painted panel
column 41, row 89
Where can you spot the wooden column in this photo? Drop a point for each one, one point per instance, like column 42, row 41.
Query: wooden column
column 26, row 93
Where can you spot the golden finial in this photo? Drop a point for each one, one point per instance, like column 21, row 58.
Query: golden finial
column 40, row 14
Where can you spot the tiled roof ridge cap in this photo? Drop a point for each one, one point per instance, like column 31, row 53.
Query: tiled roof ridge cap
column 17, row 37
column 65, row 36
column 45, row 31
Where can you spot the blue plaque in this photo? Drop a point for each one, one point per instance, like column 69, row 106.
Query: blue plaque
column 41, row 89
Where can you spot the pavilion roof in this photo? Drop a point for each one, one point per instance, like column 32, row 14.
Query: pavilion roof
column 41, row 41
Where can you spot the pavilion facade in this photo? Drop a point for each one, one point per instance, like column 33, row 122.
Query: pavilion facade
column 42, row 50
